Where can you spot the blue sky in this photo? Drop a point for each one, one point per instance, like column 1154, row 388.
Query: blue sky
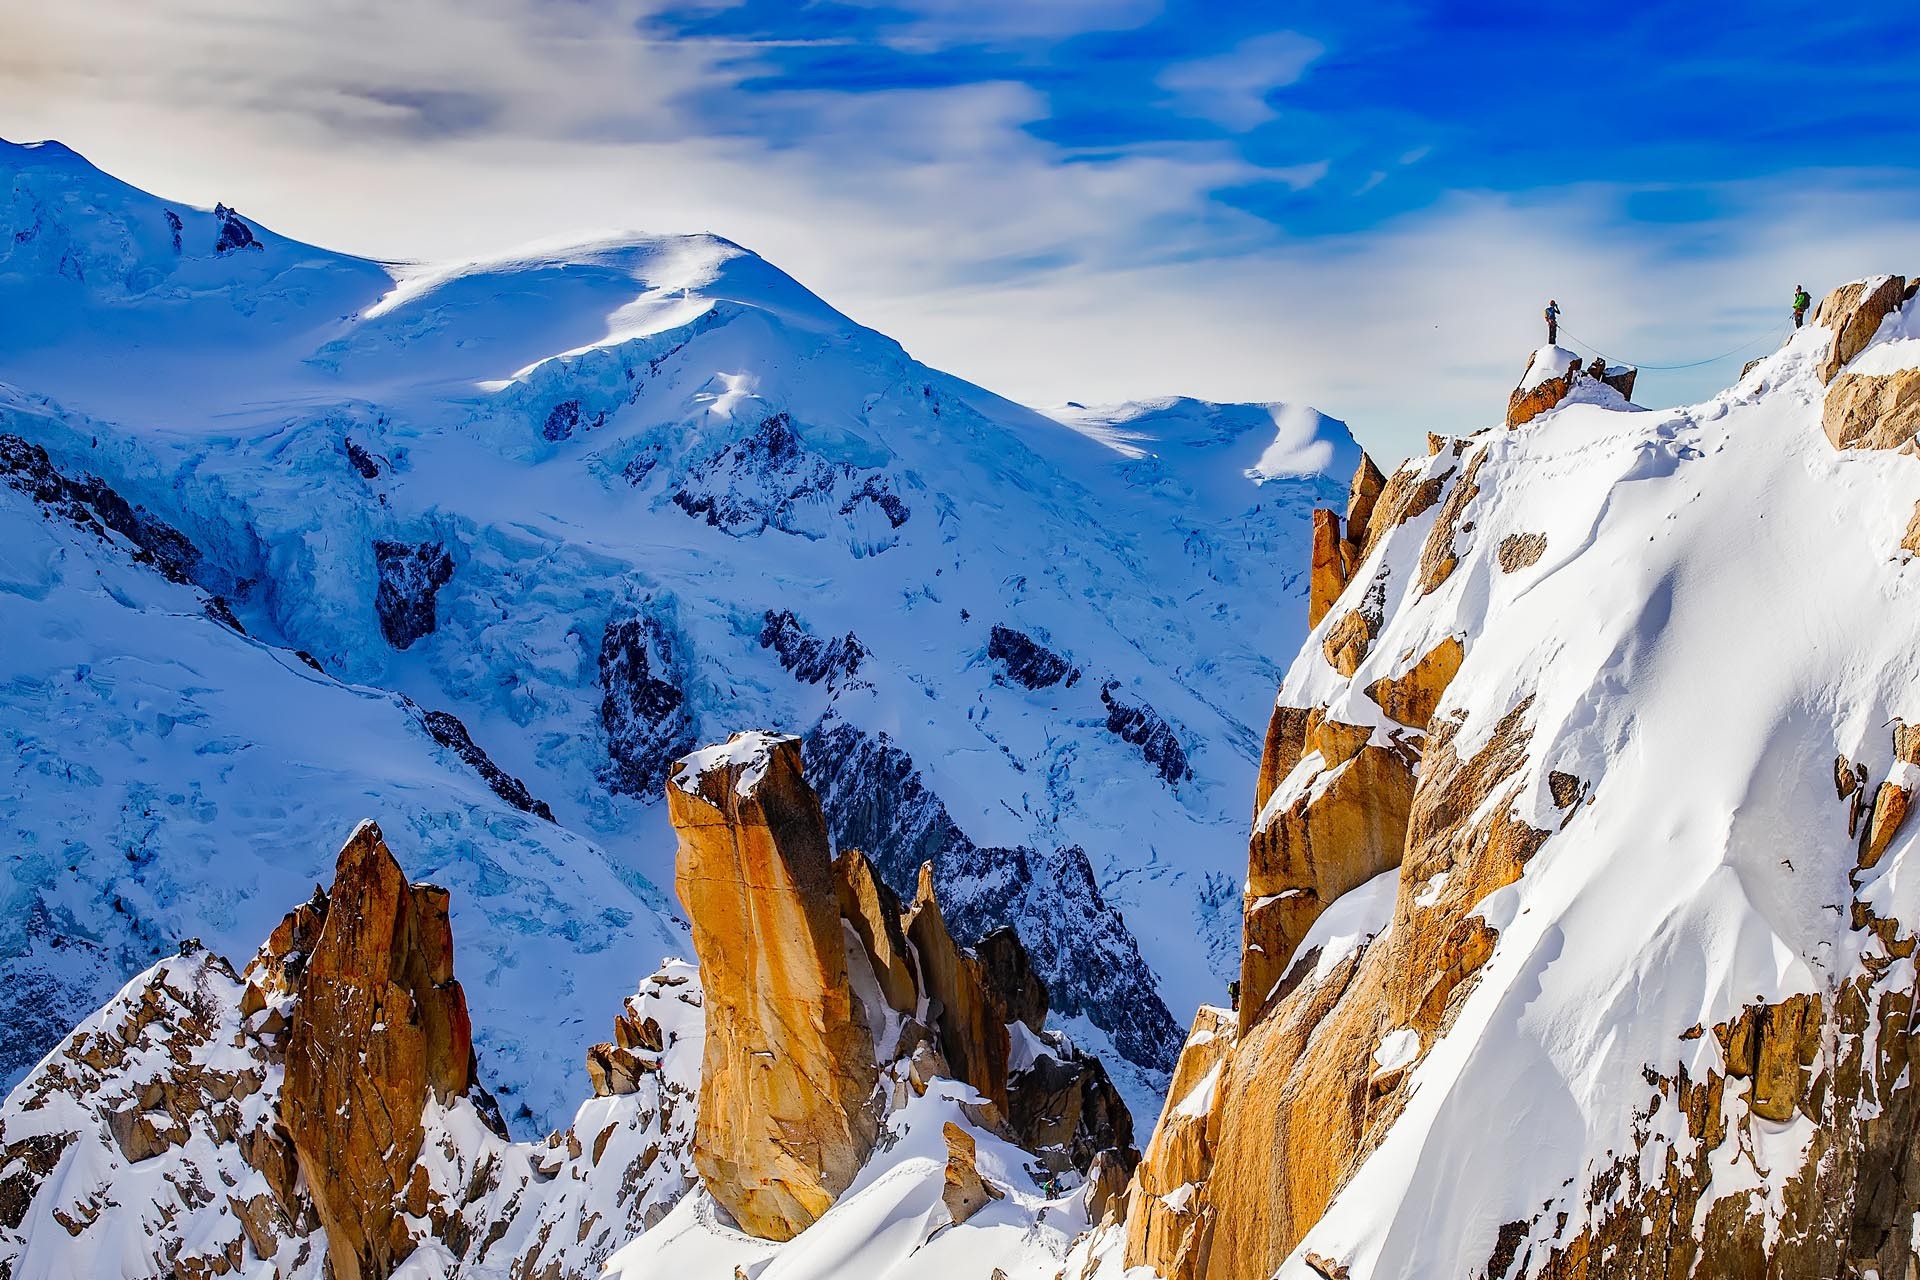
column 1359, row 206
column 1401, row 102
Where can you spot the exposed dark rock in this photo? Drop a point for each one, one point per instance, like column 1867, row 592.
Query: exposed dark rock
column 1065, row 1110
column 806, row 655
column 874, row 489
column 641, row 705
column 1028, row 662
column 1010, row 976
column 771, row 479
column 362, row 461
column 411, row 576
column 1142, row 726
column 637, row 468
column 310, row 660
column 567, row 417
column 218, row 609
column 234, row 234
column 449, row 732
column 89, row 503
column 174, row 225
column 876, row 800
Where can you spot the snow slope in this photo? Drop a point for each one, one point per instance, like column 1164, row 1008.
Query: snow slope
column 1722, row 608
column 600, row 502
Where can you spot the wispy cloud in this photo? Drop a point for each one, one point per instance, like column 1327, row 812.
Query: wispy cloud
column 1232, row 89
column 1086, row 201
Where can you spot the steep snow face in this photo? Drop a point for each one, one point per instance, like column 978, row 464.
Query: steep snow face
column 1722, row 608
column 600, row 503
column 172, row 777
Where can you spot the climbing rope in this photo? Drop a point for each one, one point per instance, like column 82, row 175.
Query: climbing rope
column 1769, row 335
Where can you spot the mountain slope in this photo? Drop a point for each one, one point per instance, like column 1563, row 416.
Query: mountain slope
column 603, row 501
column 1611, row 736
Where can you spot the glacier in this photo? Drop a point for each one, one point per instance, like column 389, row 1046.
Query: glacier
column 291, row 538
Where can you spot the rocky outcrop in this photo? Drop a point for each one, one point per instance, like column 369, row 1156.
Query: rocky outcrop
column 811, row 659
column 873, row 911
column 1441, row 552
column 89, row 503
column 1338, row 820
column 1892, row 799
column 1027, row 662
column 1340, row 544
column 205, row 1124
column 382, row 1031
column 1009, row 974
column 1413, row 696
column 1873, row 411
column 1553, row 374
column 642, row 707
column 448, row 730
column 1141, row 726
column 788, row 1113
column 1328, row 577
column 966, row 1193
column 1364, row 493
column 791, row 1096
column 771, row 479
column 1535, row 395
column 1854, row 312
column 1164, row 1223
column 1521, row 551
column 877, row 800
column 973, row 1028
column 234, row 235
column 410, row 577
column 1349, row 638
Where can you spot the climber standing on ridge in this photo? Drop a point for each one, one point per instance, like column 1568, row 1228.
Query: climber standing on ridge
column 1552, row 317
column 1801, row 301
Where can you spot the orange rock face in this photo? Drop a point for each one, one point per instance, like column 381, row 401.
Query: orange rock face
column 1412, row 697
column 381, row 1028
column 1329, row 576
column 874, row 912
column 1873, row 411
column 1327, row 834
column 1438, row 555
column 1161, row 1224
column 973, row 1025
column 1363, row 495
column 1527, row 403
column 1854, row 311
column 787, row 1109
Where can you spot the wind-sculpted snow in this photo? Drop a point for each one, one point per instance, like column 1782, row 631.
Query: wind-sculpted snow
column 597, row 503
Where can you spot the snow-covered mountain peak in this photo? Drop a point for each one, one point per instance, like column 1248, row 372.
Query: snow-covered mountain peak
column 533, row 526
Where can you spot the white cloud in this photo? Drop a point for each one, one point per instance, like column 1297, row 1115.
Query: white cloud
column 1231, row 89
column 461, row 128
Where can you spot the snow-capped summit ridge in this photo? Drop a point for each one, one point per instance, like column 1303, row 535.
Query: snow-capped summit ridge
column 528, row 530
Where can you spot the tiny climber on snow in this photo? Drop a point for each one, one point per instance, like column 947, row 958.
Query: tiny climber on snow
column 1801, row 301
column 1552, row 317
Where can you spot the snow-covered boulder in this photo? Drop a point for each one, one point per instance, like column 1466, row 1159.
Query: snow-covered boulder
column 1554, row 374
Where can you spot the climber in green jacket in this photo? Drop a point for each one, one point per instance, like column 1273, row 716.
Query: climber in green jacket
column 1801, row 301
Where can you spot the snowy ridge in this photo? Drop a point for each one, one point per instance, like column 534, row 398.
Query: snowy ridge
column 598, row 504
column 1701, row 868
